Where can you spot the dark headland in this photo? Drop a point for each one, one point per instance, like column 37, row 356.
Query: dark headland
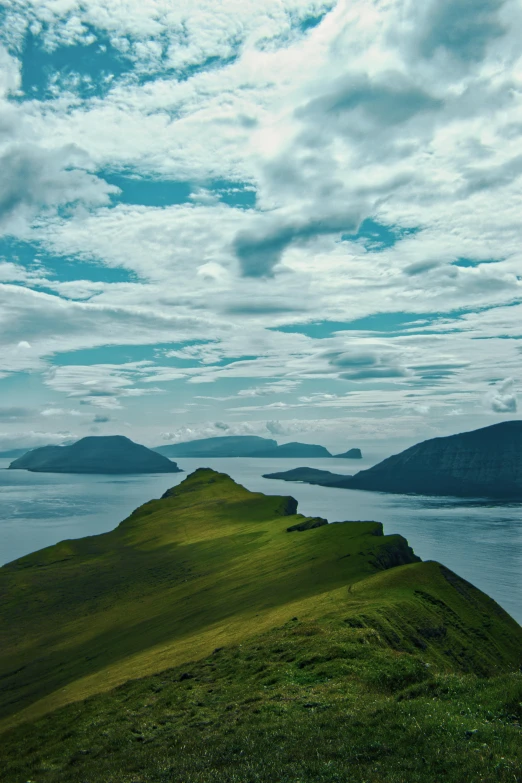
column 217, row 635
column 249, row 446
column 350, row 454
column 114, row 454
column 482, row 463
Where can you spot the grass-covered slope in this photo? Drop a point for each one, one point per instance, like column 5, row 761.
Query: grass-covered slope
column 209, row 566
column 308, row 702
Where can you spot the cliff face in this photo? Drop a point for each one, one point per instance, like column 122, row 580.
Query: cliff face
column 105, row 455
column 482, row 463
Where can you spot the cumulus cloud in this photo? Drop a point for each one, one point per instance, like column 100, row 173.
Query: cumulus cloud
column 461, row 28
column 259, row 253
column 36, row 178
column 10, row 76
column 504, row 399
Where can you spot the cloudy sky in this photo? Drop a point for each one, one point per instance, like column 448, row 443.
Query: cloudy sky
column 293, row 218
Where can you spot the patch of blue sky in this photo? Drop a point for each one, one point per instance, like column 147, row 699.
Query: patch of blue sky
column 23, row 388
column 155, row 353
column 309, row 22
column 377, row 322
column 87, row 69
column 241, row 195
column 393, row 324
column 147, row 192
column 34, row 258
column 497, row 337
column 124, row 354
column 212, row 63
column 150, row 192
column 300, row 23
column 468, row 263
column 376, row 236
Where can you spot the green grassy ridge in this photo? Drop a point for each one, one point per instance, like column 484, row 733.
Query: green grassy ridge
column 212, row 564
column 308, row 701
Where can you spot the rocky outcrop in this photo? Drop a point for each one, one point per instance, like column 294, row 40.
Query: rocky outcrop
column 105, row 455
column 350, row 454
column 307, row 524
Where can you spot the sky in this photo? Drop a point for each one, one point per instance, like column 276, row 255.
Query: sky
column 299, row 219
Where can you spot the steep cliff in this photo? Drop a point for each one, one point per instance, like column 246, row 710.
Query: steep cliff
column 482, row 463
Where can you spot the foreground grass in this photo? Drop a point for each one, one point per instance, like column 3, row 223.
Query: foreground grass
column 308, row 701
column 322, row 653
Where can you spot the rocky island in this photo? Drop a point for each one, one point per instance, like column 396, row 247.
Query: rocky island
column 323, row 478
column 224, row 446
column 113, row 454
column 295, row 450
column 482, row 463
column 249, row 446
column 350, row 454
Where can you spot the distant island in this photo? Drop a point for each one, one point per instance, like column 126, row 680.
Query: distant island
column 225, row 446
column 482, row 463
column 350, row 454
column 293, row 450
column 113, row 454
column 324, row 478
column 249, row 446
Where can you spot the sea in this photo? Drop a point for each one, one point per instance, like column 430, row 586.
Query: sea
column 480, row 540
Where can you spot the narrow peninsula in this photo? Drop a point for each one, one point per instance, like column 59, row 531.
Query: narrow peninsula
column 218, row 635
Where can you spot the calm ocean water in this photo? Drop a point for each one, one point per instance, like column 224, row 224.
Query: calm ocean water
column 480, row 540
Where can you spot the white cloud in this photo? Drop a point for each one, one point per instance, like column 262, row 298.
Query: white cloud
column 32, row 439
column 504, row 399
column 100, row 385
column 10, row 77
column 384, row 110
column 36, row 179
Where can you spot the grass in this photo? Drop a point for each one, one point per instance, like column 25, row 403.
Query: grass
column 307, row 701
column 379, row 679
